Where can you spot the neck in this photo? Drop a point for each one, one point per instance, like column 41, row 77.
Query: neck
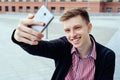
column 85, row 49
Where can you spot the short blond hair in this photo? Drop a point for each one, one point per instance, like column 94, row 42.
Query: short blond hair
column 75, row 12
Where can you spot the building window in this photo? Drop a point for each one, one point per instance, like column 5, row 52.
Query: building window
column 36, row 0
column 53, row 0
column 43, row 0
column 118, row 9
column 108, row 9
column 12, row 0
column 36, row 9
column 20, row 8
column 109, row 0
column 62, row 0
column 84, row 0
column 20, row 0
column 53, row 9
column 28, row 9
column 27, row 0
column 62, row 9
column 6, row 8
column 0, row 8
column 5, row 0
column 85, row 8
column 73, row 0
column 13, row 8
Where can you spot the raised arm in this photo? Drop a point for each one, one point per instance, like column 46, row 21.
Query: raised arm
column 31, row 40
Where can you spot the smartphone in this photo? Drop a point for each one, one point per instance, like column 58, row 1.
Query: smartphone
column 42, row 15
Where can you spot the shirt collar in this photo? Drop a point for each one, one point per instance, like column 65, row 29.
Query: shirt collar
column 91, row 54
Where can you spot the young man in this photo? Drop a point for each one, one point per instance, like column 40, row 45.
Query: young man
column 77, row 56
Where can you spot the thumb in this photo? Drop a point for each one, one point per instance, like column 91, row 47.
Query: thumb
column 30, row 16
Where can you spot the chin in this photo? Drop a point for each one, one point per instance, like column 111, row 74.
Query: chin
column 77, row 45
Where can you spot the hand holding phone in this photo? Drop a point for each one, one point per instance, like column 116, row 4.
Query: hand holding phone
column 43, row 15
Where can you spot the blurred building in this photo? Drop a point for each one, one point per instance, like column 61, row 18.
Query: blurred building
column 59, row 5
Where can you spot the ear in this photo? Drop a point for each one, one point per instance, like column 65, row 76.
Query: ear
column 89, row 27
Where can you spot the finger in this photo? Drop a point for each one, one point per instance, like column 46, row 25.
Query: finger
column 29, row 31
column 27, row 41
column 29, row 36
column 24, row 39
column 30, row 22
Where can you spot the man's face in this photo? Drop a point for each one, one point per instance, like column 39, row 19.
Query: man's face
column 77, row 31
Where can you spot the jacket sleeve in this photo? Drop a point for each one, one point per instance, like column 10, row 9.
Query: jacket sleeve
column 109, row 66
column 50, row 49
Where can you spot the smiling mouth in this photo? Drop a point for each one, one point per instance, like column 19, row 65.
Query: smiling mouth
column 76, row 40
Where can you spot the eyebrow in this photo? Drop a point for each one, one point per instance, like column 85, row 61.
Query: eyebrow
column 78, row 25
column 74, row 26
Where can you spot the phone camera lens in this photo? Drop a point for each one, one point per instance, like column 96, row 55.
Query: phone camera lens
column 44, row 14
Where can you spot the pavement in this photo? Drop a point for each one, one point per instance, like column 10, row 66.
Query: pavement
column 16, row 64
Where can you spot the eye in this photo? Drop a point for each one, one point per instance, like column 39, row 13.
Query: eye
column 67, row 30
column 77, row 27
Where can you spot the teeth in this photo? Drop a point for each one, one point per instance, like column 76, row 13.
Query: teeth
column 75, row 40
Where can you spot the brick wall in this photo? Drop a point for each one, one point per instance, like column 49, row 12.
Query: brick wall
column 59, row 6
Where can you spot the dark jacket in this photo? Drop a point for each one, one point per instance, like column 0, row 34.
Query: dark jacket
column 60, row 49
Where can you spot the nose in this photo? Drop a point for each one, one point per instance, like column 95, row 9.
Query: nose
column 72, row 34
